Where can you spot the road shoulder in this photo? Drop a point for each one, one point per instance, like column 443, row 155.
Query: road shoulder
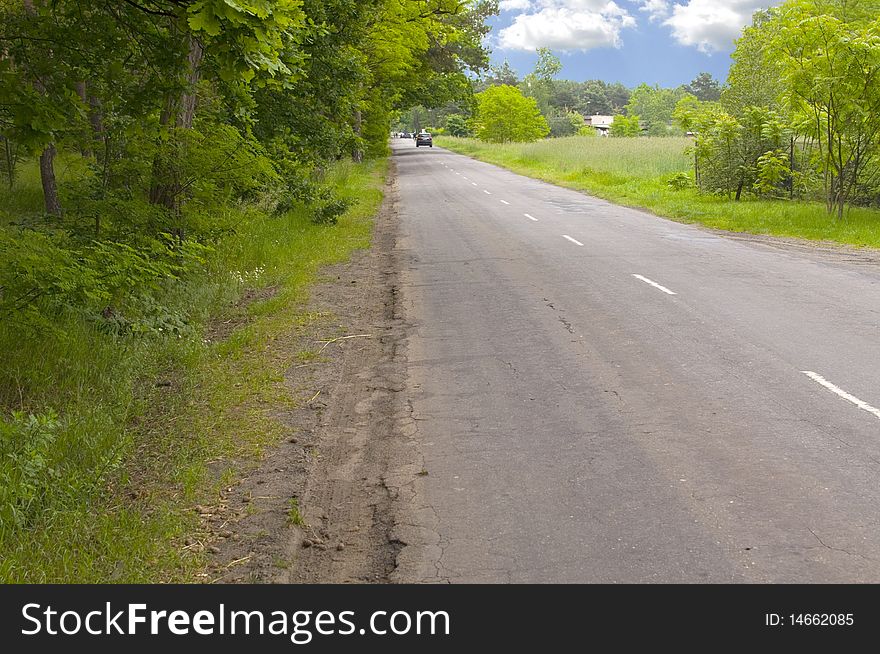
column 322, row 507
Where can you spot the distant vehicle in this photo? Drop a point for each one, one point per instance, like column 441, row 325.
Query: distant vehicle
column 424, row 138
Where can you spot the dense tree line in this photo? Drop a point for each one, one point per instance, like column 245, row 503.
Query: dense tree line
column 174, row 108
column 158, row 160
column 564, row 104
column 800, row 113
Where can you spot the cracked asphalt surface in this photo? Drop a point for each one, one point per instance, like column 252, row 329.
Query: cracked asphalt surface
column 579, row 424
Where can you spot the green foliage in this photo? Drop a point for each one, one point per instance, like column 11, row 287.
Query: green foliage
column 704, row 88
column 655, row 106
column 587, row 131
column 565, row 123
column 503, row 74
column 45, row 275
column 755, row 76
column 626, row 126
column 679, row 182
column 294, row 515
column 28, row 469
column 829, row 57
column 106, row 460
column 458, row 125
column 190, row 149
column 539, row 83
column 328, row 208
column 504, row 115
column 772, row 170
column 548, row 65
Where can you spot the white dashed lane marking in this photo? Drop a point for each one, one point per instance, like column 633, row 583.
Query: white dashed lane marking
column 575, row 241
column 819, row 379
column 654, row 284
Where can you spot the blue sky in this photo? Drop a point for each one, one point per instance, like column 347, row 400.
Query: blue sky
column 666, row 42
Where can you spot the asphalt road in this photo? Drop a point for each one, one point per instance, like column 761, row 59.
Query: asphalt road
column 606, row 396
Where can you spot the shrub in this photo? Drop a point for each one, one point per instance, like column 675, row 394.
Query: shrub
column 27, row 470
column 679, row 182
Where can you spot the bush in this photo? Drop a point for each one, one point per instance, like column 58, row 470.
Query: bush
column 679, row 182
column 28, row 473
column 45, row 275
column 328, row 208
column 458, row 125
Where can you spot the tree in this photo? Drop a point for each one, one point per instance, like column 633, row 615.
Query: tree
column 626, row 126
column 457, row 125
column 754, row 79
column 548, row 65
column 831, row 67
column 539, row 83
column 654, row 105
column 737, row 154
column 504, row 115
column 503, row 74
column 564, row 123
column 704, row 87
column 593, row 99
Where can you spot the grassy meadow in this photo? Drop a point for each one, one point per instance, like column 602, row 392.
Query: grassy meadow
column 634, row 172
column 122, row 435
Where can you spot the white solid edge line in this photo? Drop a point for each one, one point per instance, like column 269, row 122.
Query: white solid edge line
column 576, row 242
column 819, row 379
column 530, row 217
column 654, row 284
column 487, row 192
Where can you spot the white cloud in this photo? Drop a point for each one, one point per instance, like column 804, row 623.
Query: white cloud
column 513, row 5
column 711, row 24
column 566, row 25
column 656, row 9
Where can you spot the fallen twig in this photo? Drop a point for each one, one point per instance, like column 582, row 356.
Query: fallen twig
column 237, row 561
column 341, row 338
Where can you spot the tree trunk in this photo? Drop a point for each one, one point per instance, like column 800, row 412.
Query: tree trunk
column 179, row 112
column 357, row 155
column 47, row 176
column 85, row 149
column 10, row 158
column 187, row 110
column 99, row 137
column 47, row 158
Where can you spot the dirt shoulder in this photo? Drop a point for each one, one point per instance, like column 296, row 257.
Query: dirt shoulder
column 323, row 506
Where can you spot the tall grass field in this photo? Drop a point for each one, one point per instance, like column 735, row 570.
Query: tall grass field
column 635, row 172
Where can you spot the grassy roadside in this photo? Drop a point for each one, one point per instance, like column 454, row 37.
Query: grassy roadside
column 177, row 414
column 635, row 172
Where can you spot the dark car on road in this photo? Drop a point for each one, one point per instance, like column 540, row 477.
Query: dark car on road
column 424, row 139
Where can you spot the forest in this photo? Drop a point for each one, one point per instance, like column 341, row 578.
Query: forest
column 158, row 158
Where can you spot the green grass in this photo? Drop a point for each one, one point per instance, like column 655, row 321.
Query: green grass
column 294, row 516
column 634, row 173
column 175, row 446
